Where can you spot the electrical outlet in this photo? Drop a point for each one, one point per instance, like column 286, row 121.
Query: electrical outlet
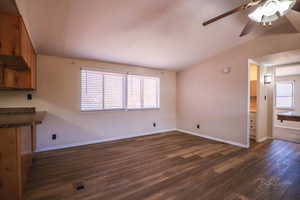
column 198, row 126
column 54, row 136
column 154, row 124
column 29, row 96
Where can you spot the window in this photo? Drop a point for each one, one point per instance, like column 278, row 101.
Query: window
column 142, row 92
column 101, row 91
column 107, row 91
column 285, row 94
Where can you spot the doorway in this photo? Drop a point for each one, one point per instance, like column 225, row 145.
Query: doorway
column 274, row 90
column 287, row 101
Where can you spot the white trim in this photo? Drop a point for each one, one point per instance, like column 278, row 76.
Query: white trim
column 214, row 138
column 262, row 139
column 250, row 62
column 103, row 140
column 138, row 135
column 286, row 127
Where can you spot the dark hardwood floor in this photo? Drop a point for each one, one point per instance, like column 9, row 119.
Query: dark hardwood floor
column 167, row 167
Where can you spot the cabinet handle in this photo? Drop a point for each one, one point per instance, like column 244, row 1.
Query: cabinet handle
column 13, row 52
column 0, row 45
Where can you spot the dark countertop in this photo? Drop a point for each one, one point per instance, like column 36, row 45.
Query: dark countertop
column 289, row 114
column 13, row 120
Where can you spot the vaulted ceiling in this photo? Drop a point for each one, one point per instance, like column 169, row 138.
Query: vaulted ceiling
column 160, row 34
column 282, row 58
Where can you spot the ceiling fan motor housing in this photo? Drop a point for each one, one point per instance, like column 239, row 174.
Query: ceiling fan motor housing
column 271, row 10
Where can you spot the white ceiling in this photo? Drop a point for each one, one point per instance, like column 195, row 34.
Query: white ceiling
column 160, row 34
column 277, row 59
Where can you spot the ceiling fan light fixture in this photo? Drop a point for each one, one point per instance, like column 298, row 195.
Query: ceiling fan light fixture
column 271, row 10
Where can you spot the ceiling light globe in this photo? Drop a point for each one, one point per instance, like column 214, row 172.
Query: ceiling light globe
column 271, row 10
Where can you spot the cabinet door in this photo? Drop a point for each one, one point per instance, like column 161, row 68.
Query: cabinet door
column 26, row 46
column 1, row 76
column 253, row 89
column 9, row 35
column 33, row 72
column 10, row 187
column 16, row 79
column 28, row 54
column 26, row 151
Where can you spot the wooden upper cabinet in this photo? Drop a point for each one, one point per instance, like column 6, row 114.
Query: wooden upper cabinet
column 9, row 35
column 17, row 55
column 253, row 85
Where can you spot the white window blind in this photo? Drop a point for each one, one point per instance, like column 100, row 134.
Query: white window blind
column 91, row 90
column 285, row 94
column 101, row 91
column 151, row 92
column 113, row 91
column 107, row 91
column 134, row 92
column 142, row 92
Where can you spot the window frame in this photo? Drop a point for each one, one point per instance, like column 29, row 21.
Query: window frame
column 292, row 107
column 124, row 90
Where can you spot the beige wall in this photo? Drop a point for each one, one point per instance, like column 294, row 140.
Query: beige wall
column 205, row 96
column 59, row 94
column 218, row 101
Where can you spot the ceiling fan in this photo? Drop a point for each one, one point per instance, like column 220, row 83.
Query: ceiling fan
column 263, row 12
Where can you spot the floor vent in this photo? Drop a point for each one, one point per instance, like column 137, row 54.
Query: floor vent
column 79, row 186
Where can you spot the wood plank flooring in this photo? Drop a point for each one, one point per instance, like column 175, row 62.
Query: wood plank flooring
column 170, row 166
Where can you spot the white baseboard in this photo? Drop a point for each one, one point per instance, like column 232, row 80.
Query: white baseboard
column 291, row 134
column 103, row 140
column 214, row 138
column 141, row 134
column 287, row 127
column 262, row 139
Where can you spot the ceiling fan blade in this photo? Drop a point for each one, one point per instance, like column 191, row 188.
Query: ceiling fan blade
column 297, row 6
column 248, row 28
column 238, row 9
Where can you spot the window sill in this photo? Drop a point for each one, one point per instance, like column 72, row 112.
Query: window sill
column 137, row 109
column 282, row 108
column 119, row 109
